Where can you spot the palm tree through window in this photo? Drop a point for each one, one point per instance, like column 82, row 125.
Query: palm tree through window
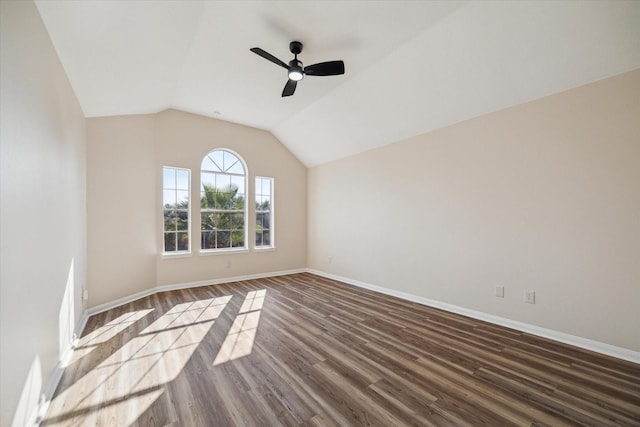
column 223, row 201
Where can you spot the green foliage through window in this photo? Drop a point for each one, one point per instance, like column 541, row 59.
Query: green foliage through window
column 222, row 201
column 264, row 212
column 175, row 202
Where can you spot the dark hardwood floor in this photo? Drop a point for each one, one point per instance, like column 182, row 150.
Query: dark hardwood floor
column 305, row 350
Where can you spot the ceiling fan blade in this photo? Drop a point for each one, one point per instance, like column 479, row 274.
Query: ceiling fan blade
column 289, row 88
column 269, row 57
column 331, row 68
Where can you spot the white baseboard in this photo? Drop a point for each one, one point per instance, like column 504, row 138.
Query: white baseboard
column 56, row 376
column 117, row 302
column 598, row 347
column 173, row 287
column 228, row 280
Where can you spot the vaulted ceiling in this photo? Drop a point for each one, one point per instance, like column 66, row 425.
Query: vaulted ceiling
column 411, row 66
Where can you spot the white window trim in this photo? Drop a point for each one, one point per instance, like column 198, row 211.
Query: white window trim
column 272, row 228
column 223, row 251
column 245, row 248
column 176, row 254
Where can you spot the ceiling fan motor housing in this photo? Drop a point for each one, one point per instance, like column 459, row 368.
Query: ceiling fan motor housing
column 295, row 47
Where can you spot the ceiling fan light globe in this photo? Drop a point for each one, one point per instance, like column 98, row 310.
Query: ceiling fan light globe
column 296, row 75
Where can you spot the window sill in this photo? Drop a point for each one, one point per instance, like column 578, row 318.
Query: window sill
column 176, row 255
column 265, row 249
column 223, row 251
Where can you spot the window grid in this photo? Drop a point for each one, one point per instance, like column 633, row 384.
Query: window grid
column 222, row 202
column 264, row 212
column 175, row 209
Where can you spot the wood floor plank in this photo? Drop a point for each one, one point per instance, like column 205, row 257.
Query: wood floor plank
column 304, row 350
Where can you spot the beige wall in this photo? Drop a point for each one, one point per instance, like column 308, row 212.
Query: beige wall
column 542, row 196
column 125, row 159
column 42, row 217
column 121, row 184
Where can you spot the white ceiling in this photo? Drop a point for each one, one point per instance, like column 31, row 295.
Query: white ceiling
column 411, row 66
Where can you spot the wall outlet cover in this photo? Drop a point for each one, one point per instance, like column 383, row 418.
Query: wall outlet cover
column 530, row 297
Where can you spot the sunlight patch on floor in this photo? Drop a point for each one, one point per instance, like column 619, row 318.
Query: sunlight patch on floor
column 239, row 340
column 104, row 333
column 127, row 382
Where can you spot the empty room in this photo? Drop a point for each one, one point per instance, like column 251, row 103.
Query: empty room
column 319, row 213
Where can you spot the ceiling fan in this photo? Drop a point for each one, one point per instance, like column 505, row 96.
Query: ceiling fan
column 297, row 71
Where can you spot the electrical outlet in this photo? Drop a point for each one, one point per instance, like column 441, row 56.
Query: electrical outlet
column 85, row 294
column 530, row 297
column 330, row 260
column 500, row 291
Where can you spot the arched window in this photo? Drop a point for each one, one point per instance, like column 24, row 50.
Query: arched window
column 223, row 201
